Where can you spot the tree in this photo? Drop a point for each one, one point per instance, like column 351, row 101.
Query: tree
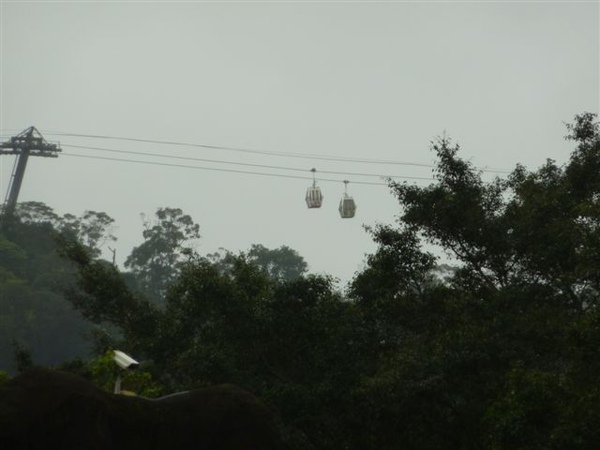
column 166, row 245
column 281, row 264
column 487, row 359
column 286, row 341
column 33, row 313
column 101, row 293
column 93, row 230
column 36, row 212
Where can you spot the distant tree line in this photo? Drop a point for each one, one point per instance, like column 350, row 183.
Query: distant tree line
column 37, row 322
column 500, row 351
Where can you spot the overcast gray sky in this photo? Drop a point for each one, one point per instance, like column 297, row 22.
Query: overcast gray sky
column 294, row 80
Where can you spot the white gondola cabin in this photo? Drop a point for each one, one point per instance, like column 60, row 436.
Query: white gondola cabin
column 347, row 205
column 314, row 197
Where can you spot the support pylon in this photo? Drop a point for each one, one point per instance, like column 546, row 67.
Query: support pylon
column 29, row 142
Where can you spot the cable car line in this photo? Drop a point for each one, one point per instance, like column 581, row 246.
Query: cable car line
column 187, row 158
column 314, row 198
column 246, row 150
column 261, row 152
column 217, row 169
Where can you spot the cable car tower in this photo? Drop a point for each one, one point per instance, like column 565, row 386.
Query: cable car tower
column 29, row 142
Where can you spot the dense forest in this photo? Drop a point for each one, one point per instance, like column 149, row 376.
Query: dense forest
column 500, row 352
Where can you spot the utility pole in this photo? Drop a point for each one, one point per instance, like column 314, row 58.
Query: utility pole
column 27, row 143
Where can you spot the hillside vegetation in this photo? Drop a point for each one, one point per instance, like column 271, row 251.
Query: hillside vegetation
column 500, row 352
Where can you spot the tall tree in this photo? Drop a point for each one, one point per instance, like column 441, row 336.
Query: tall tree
column 168, row 241
column 93, row 228
column 487, row 360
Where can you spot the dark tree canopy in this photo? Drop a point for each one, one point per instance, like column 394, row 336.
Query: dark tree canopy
column 499, row 350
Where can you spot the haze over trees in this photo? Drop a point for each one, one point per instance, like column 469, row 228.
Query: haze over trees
column 36, row 318
column 34, row 315
column 499, row 352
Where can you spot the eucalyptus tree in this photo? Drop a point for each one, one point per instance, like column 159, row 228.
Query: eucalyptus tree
column 169, row 240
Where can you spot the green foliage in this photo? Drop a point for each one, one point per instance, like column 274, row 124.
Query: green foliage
column 157, row 260
column 92, row 229
column 283, row 263
column 280, row 264
column 13, row 257
column 102, row 296
column 286, row 341
column 499, row 351
column 36, row 212
column 104, row 372
column 23, row 358
column 33, row 310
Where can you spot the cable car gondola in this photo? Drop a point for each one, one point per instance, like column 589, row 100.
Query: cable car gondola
column 314, row 197
column 347, row 205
